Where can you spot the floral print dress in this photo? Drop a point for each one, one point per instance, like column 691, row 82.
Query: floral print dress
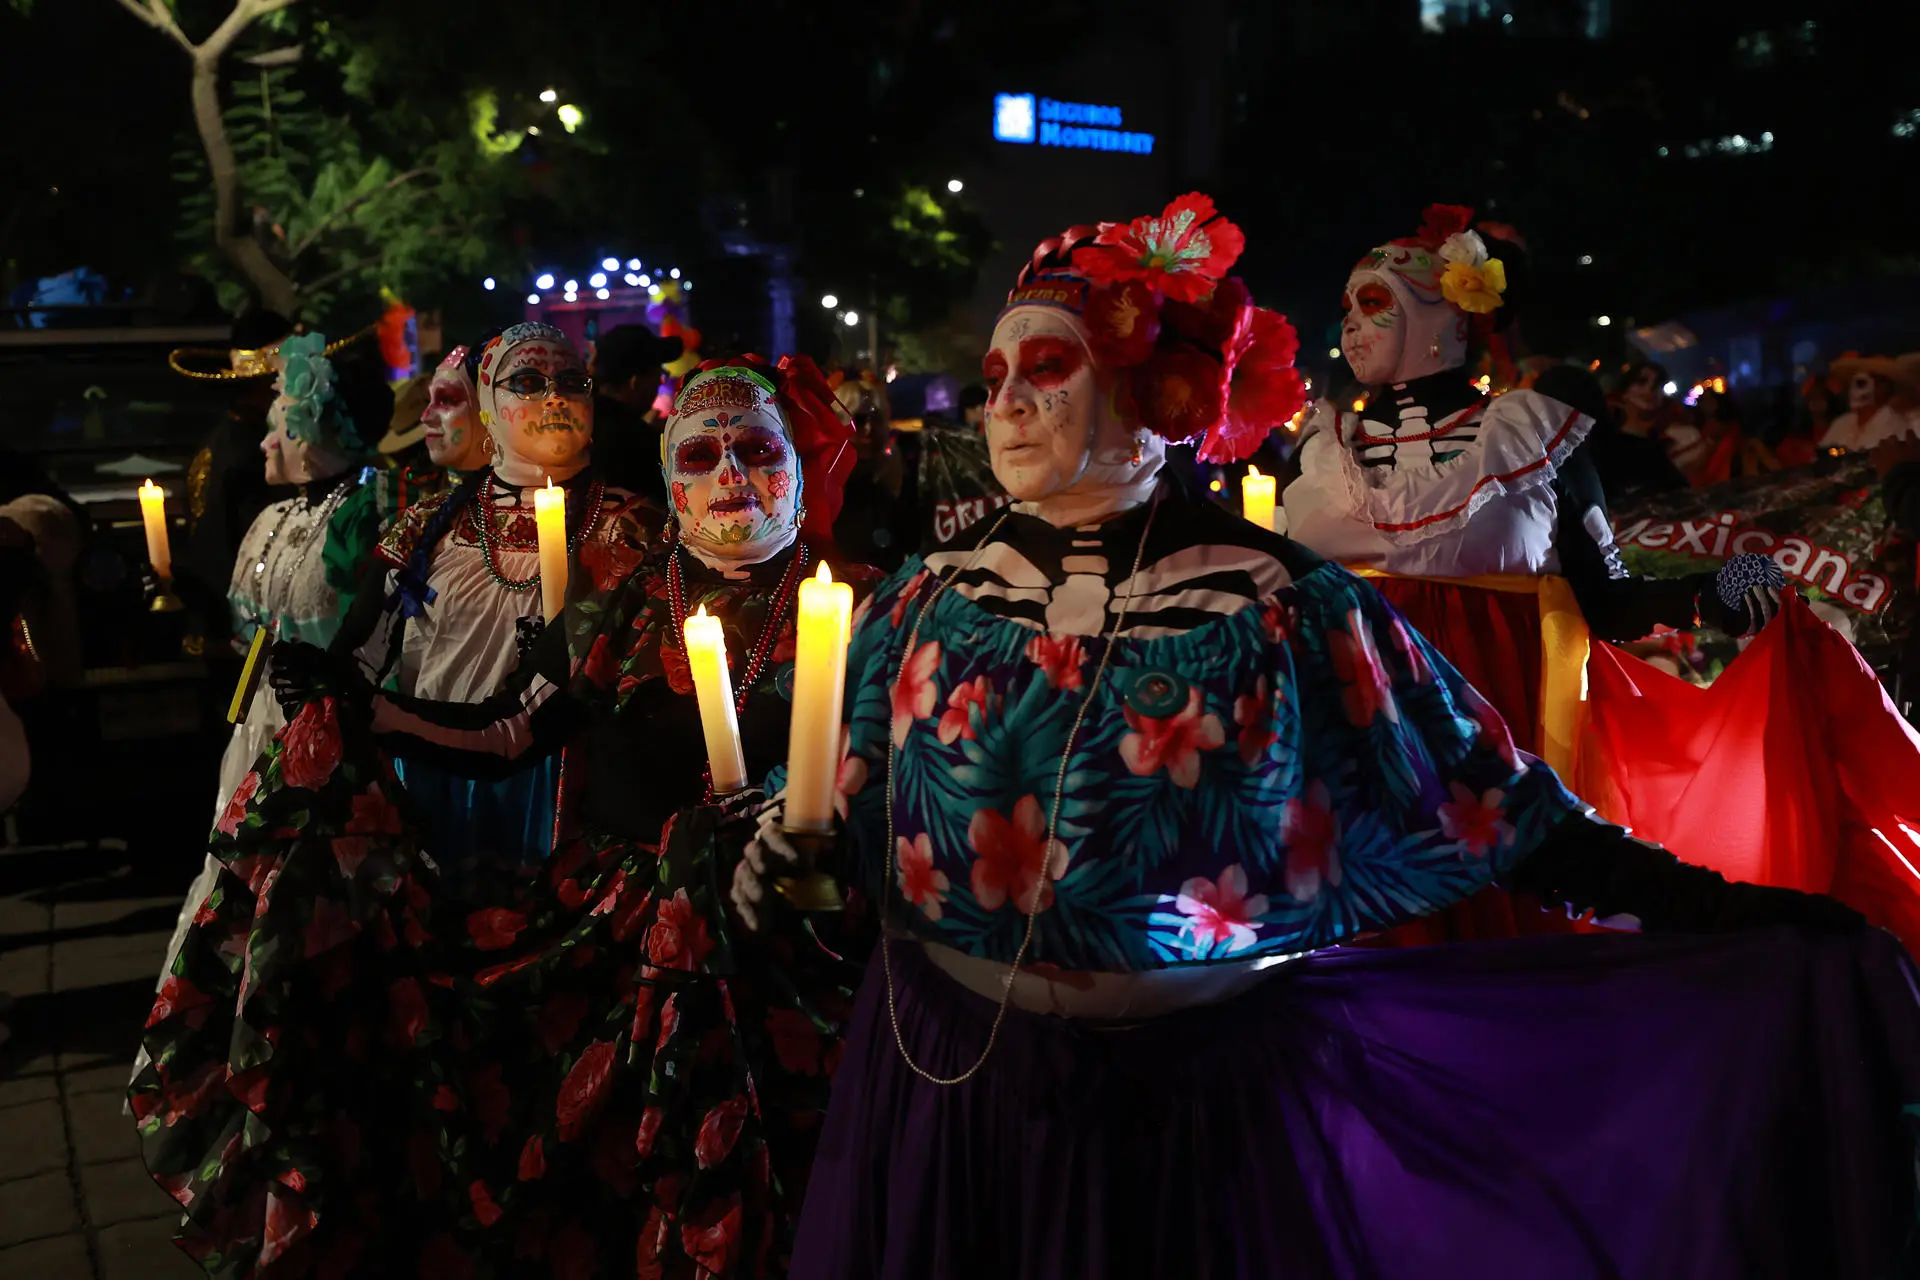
column 1296, row 773
column 356, row 1075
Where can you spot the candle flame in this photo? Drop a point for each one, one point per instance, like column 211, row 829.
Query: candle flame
column 549, row 482
column 1252, row 470
column 147, row 486
column 701, row 612
column 825, row 574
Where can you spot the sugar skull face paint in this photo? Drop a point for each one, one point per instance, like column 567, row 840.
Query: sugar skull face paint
column 536, row 402
column 1044, row 402
column 733, row 475
column 1866, row 393
column 1372, row 334
column 290, row 460
column 454, row 439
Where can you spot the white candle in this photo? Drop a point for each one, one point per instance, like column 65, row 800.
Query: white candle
column 153, row 512
column 713, row 686
column 823, row 627
column 1256, row 498
column 550, row 518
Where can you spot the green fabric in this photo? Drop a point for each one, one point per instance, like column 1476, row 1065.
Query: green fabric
column 351, row 534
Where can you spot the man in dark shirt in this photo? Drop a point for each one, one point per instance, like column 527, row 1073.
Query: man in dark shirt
column 626, row 430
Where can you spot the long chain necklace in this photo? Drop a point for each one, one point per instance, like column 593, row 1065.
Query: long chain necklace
column 302, row 541
column 1053, row 820
column 483, row 522
column 763, row 646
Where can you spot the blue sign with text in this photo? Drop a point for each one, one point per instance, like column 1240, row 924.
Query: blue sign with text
column 1031, row 120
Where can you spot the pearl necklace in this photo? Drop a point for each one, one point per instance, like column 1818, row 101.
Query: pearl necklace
column 302, row 540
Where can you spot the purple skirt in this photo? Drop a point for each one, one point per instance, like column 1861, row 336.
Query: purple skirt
column 1575, row 1107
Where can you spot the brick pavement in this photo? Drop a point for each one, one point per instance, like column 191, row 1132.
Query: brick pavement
column 82, row 934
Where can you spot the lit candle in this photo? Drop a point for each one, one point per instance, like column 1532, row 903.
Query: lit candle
column 1256, row 498
column 153, row 511
column 822, row 631
column 550, row 518
column 713, row 686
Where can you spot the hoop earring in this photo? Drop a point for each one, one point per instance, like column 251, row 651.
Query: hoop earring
column 1138, row 446
column 1436, row 348
column 486, row 445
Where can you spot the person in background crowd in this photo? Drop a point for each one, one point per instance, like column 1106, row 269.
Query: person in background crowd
column 1649, row 412
column 626, row 369
column 1629, row 465
column 1812, row 416
column 1879, row 391
column 1731, row 452
column 973, row 406
column 875, row 527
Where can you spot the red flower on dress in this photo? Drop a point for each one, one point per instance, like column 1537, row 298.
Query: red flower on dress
column 584, row 1089
column 712, row 1238
column 914, row 695
column 1179, row 392
column 600, row 667
column 487, row 1094
column 483, row 1206
column 1016, row 858
column 288, row 1222
column 678, row 939
column 609, row 562
column 957, row 722
column 1221, row 911
column 373, row 814
column 495, row 928
column 719, row 1130
column 1477, row 821
column 627, row 917
column 649, row 1129
column 1060, row 657
column 1311, row 832
column 1172, row 742
column 1366, row 693
column 1416, row 661
column 611, row 897
column 1493, row 733
column 674, row 664
column 1123, row 322
column 907, row 593
column 1182, row 252
column 796, row 1041
column 406, row 1011
column 310, row 746
column 1253, row 712
column 533, row 1160
column 236, row 811
column 332, row 925
column 1277, row 621
column 921, row 883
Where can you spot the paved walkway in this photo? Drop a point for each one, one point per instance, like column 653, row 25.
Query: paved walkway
column 81, row 939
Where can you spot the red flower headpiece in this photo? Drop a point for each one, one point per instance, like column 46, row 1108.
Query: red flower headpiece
column 1201, row 362
column 822, row 432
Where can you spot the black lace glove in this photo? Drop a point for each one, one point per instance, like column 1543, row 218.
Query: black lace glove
column 300, row 672
column 1589, row 864
column 1746, row 595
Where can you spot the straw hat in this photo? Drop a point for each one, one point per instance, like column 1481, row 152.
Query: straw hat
column 406, row 429
column 1903, row 371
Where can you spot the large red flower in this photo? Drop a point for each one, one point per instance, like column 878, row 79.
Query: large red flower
column 236, row 811
column 1179, row 392
column 1356, row 661
column 1311, row 831
column 533, row 1160
column 1123, row 322
column 956, row 722
column 288, row 1222
column 914, row 694
column 332, row 925
column 1221, row 911
column 483, row 1206
column 1265, row 391
column 601, row 666
column 712, row 1237
column 495, row 928
column 1016, row 858
column 1443, row 220
column 674, row 663
column 1173, row 743
column 310, row 746
column 719, row 1130
column 679, row 938
column 373, row 814
column 1215, row 321
column 1478, row 822
column 1060, row 657
column 584, row 1089
column 1183, row 252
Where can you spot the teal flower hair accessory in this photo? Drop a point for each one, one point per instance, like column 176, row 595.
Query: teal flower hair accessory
column 316, row 414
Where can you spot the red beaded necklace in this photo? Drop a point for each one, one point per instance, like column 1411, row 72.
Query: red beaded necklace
column 483, row 521
column 757, row 657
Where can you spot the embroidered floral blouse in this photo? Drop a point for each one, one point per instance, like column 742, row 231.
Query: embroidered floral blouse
column 1293, row 773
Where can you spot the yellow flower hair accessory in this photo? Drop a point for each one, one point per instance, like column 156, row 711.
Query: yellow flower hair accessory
column 1474, row 289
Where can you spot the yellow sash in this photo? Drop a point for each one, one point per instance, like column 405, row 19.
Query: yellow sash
column 1563, row 657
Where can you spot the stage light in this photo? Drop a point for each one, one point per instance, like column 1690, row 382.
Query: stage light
column 598, row 280
column 674, row 274
column 633, row 264
column 544, row 282
column 488, row 284
column 610, row 264
column 550, row 95
column 533, row 299
column 631, row 278
column 956, row 186
column 603, row 294
column 828, row 301
column 1604, row 321
column 852, row 318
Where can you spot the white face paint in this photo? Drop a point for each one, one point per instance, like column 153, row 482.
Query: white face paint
column 291, row 461
column 542, row 416
column 1052, row 432
column 735, row 482
column 454, row 439
column 1866, row 393
column 1373, row 334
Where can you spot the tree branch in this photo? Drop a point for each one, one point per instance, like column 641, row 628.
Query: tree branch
column 156, row 15
column 331, row 220
column 345, row 269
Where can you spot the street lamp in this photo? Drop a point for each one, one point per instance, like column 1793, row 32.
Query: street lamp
column 1604, row 321
column 533, row 299
column 544, row 282
column 1333, row 353
column 828, row 301
column 852, row 318
column 550, row 95
column 488, row 284
column 633, row 264
column 956, row 186
column 610, row 264
column 598, row 279
column 674, row 274
column 570, row 116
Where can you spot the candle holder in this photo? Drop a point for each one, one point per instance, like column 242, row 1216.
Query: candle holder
column 812, row 889
column 166, row 601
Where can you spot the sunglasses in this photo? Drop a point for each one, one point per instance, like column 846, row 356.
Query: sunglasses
column 530, row 384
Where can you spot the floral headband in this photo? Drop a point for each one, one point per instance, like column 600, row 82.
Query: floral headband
column 1201, row 362
column 315, row 412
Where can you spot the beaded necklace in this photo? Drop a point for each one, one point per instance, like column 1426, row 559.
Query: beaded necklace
column 758, row 656
column 483, row 522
